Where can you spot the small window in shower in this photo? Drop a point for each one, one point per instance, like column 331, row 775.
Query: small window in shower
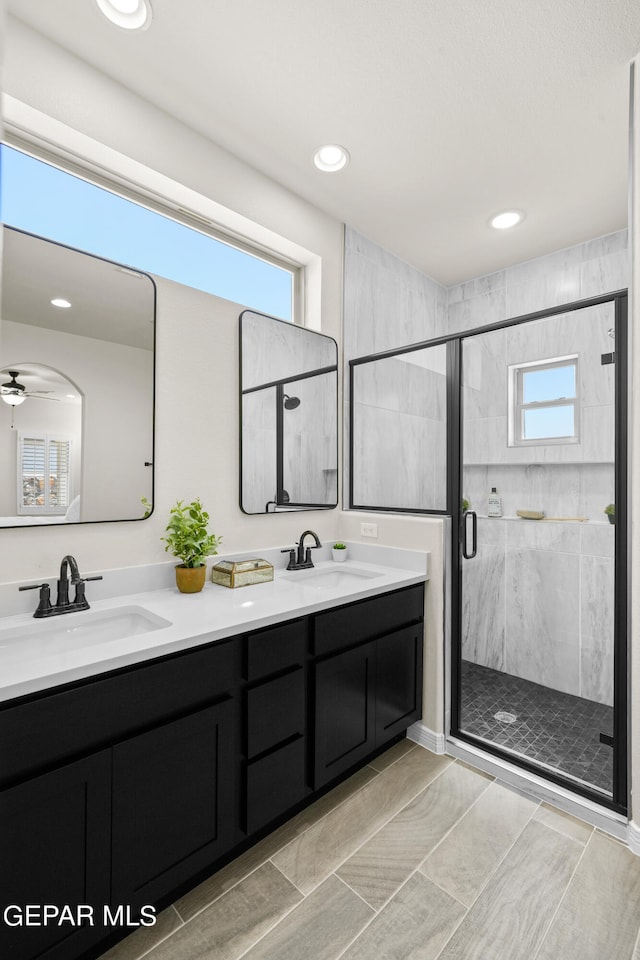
column 543, row 402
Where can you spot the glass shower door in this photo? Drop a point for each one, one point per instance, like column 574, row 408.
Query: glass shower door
column 535, row 671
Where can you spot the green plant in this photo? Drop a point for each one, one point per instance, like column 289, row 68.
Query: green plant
column 339, row 545
column 465, row 504
column 610, row 509
column 148, row 507
column 188, row 537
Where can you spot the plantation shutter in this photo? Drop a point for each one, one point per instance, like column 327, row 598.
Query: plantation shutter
column 43, row 474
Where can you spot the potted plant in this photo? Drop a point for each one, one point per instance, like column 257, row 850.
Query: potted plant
column 465, row 504
column 610, row 511
column 339, row 551
column 189, row 540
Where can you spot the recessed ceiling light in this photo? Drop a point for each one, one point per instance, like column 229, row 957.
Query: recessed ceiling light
column 60, row 302
column 331, row 158
column 128, row 14
column 509, row 218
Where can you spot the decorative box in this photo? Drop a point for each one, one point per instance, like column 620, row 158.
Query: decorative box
column 241, row 573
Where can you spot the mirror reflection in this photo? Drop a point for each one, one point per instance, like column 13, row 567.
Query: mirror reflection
column 289, row 417
column 76, row 385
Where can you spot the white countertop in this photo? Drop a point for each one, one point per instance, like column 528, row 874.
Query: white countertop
column 32, row 664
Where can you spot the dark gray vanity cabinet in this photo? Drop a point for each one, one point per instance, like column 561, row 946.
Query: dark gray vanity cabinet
column 367, row 678
column 276, row 723
column 55, row 849
column 173, row 803
column 123, row 790
column 148, row 801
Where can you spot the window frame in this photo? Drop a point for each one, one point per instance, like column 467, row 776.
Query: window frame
column 517, row 407
column 158, row 203
column 46, row 510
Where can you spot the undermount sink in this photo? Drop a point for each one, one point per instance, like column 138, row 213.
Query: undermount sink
column 73, row 631
column 327, row 578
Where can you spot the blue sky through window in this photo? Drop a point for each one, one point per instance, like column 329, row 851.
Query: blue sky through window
column 549, row 422
column 554, row 383
column 40, row 199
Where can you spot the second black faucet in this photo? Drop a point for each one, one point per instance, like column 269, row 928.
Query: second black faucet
column 302, row 560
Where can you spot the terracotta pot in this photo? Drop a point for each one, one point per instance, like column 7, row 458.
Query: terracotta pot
column 190, row 579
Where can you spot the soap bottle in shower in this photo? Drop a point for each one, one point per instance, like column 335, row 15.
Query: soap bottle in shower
column 494, row 504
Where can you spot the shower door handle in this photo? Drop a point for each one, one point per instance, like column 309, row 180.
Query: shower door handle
column 466, row 553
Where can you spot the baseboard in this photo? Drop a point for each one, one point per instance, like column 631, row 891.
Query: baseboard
column 427, row 738
column 633, row 837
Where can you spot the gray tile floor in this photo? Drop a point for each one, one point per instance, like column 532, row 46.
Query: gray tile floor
column 550, row 727
column 416, row 857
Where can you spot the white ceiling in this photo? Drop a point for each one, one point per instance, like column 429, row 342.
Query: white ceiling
column 452, row 111
column 108, row 302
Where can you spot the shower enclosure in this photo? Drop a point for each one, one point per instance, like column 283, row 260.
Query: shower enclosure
column 534, row 407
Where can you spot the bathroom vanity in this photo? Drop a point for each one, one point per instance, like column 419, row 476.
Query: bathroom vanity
column 128, row 786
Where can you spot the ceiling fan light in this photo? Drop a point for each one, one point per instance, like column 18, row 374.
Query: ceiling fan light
column 13, row 399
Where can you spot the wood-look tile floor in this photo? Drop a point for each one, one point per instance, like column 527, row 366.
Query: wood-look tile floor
column 415, row 857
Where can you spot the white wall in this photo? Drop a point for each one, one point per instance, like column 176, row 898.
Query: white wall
column 85, row 113
column 116, row 385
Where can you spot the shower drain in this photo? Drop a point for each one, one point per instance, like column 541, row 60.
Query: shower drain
column 505, row 717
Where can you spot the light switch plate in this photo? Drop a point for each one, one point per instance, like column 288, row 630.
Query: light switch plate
column 369, row 530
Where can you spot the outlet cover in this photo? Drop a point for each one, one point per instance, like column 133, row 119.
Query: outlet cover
column 369, row 530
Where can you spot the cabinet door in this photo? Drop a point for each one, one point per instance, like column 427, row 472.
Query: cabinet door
column 398, row 682
column 344, row 711
column 55, row 850
column 173, row 803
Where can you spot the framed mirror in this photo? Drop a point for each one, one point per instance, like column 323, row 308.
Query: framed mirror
column 77, row 349
column 288, row 417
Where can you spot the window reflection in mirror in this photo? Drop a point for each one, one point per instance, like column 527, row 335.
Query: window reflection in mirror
column 289, row 417
column 79, row 444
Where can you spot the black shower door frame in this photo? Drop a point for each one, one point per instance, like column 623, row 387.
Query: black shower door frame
column 619, row 800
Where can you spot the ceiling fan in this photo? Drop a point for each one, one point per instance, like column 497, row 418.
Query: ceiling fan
column 15, row 393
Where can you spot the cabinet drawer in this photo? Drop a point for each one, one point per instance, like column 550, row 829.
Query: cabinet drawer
column 55, row 727
column 275, row 712
column 367, row 619
column 275, row 784
column 278, row 648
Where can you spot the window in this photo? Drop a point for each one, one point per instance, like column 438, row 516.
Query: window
column 543, row 402
column 42, row 199
column 43, row 474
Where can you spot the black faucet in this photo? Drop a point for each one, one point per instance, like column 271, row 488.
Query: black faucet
column 303, row 559
column 63, row 604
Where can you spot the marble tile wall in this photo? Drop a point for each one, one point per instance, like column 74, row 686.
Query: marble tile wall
column 310, row 441
column 538, row 603
column 563, row 638
column 400, row 432
column 486, row 361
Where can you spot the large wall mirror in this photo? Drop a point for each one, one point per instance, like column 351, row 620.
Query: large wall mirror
column 288, row 416
column 77, row 336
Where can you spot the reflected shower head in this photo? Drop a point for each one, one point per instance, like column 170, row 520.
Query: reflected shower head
column 290, row 403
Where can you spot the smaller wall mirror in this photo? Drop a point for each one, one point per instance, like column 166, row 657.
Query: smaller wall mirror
column 288, row 417
column 77, row 336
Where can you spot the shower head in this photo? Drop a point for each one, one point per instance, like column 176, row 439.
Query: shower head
column 290, row 403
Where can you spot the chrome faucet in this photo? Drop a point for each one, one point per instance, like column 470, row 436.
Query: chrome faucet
column 302, row 561
column 63, row 604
